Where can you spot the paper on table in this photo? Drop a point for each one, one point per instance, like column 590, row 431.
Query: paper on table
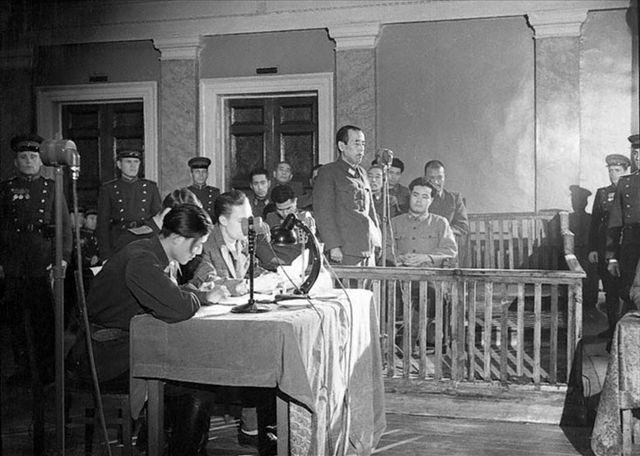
column 237, row 300
column 294, row 274
column 212, row 310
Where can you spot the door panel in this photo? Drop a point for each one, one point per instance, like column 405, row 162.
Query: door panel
column 265, row 131
column 98, row 131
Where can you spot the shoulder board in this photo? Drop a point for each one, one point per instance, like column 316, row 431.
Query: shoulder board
column 147, row 181
column 111, row 182
column 141, row 230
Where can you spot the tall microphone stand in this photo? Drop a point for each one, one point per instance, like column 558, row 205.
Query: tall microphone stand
column 250, row 307
column 58, row 286
column 386, row 212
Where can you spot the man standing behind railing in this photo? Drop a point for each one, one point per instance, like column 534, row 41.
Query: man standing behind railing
column 623, row 235
column 449, row 205
column 343, row 205
column 617, row 165
column 422, row 239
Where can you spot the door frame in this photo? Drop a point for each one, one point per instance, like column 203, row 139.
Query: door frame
column 49, row 101
column 215, row 91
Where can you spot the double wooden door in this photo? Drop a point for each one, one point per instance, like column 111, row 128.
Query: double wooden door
column 265, row 131
column 99, row 130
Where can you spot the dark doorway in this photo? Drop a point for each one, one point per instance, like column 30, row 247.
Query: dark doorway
column 265, row 131
column 99, row 130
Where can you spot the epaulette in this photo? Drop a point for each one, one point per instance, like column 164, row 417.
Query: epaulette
column 141, row 230
column 112, row 181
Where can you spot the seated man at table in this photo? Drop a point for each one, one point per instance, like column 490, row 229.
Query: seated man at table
column 422, row 239
column 135, row 281
column 285, row 202
column 225, row 261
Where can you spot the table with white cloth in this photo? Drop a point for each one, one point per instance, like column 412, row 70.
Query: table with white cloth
column 324, row 359
column 621, row 389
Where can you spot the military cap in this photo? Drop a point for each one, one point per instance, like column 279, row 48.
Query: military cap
column 29, row 142
column 635, row 141
column 578, row 191
column 397, row 163
column 617, row 160
column 91, row 211
column 128, row 153
column 199, row 162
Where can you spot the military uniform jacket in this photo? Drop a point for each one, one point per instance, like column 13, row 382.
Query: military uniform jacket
column 451, row 206
column 344, row 209
column 624, row 212
column 27, row 226
column 124, row 204
column 402, row 195
column 88, row 246
column 602, row 203
column 207, row 196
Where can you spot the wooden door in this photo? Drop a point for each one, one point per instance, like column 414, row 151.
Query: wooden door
column 99, row 130
column 265, row 131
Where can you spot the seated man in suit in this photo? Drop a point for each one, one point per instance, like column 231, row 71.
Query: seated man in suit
column 422, row 239
column 225, row 262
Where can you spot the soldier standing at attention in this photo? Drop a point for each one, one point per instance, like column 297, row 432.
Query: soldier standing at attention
column 617, row 165
column 126, row 202
column 343, row 204
column 623, row 236
column 199, row 174
column 27, row 251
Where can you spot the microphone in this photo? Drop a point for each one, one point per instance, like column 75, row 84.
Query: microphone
column 61, row 152
column 256, row 224
column 386, row 157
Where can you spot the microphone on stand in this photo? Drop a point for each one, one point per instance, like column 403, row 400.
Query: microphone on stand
column 61, row 152
column 385, row 157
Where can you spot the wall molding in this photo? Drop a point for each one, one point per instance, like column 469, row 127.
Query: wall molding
column 178, row 47
column 116, row 20
column 215, row 91
column 553, row 24
column 355, row 36
column 49, row 101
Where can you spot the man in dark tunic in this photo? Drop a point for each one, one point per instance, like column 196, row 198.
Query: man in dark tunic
column 27, row 251
column 623, row 234
column 449, row 205
column 126, row 202
column 199, row 174
column 136, row 280
column 617, row 165
column 343, row 204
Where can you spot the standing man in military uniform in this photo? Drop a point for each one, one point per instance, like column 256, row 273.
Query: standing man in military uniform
column 27, row 252
column 623, row 236
column 618, row 165
column 199, row 174
column 126, row 202
column 343, row 204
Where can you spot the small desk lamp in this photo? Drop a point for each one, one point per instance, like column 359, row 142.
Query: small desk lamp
column 286, row 235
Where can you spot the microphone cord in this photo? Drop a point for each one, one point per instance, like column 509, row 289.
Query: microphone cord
column 82, row 307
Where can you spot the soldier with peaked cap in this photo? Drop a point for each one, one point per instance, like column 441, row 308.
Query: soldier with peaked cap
column 206, row 193
column 27, row 250
column 618, row 165
column 126, row 202
column 623, row 233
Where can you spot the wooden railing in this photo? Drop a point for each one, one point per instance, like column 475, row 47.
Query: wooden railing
column 517, row 326
column 514, row 240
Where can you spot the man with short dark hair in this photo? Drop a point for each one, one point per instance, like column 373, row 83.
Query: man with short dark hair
column 285, row 203
column 27, row 252
column 343, row 204
column 199, row 168
column 283, row 175
column 260, row 185
column 422, row 239
column 449, row 205
column 396, row 189
column 126, row 202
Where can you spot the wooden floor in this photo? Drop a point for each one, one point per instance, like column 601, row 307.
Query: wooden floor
column 405, row 435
